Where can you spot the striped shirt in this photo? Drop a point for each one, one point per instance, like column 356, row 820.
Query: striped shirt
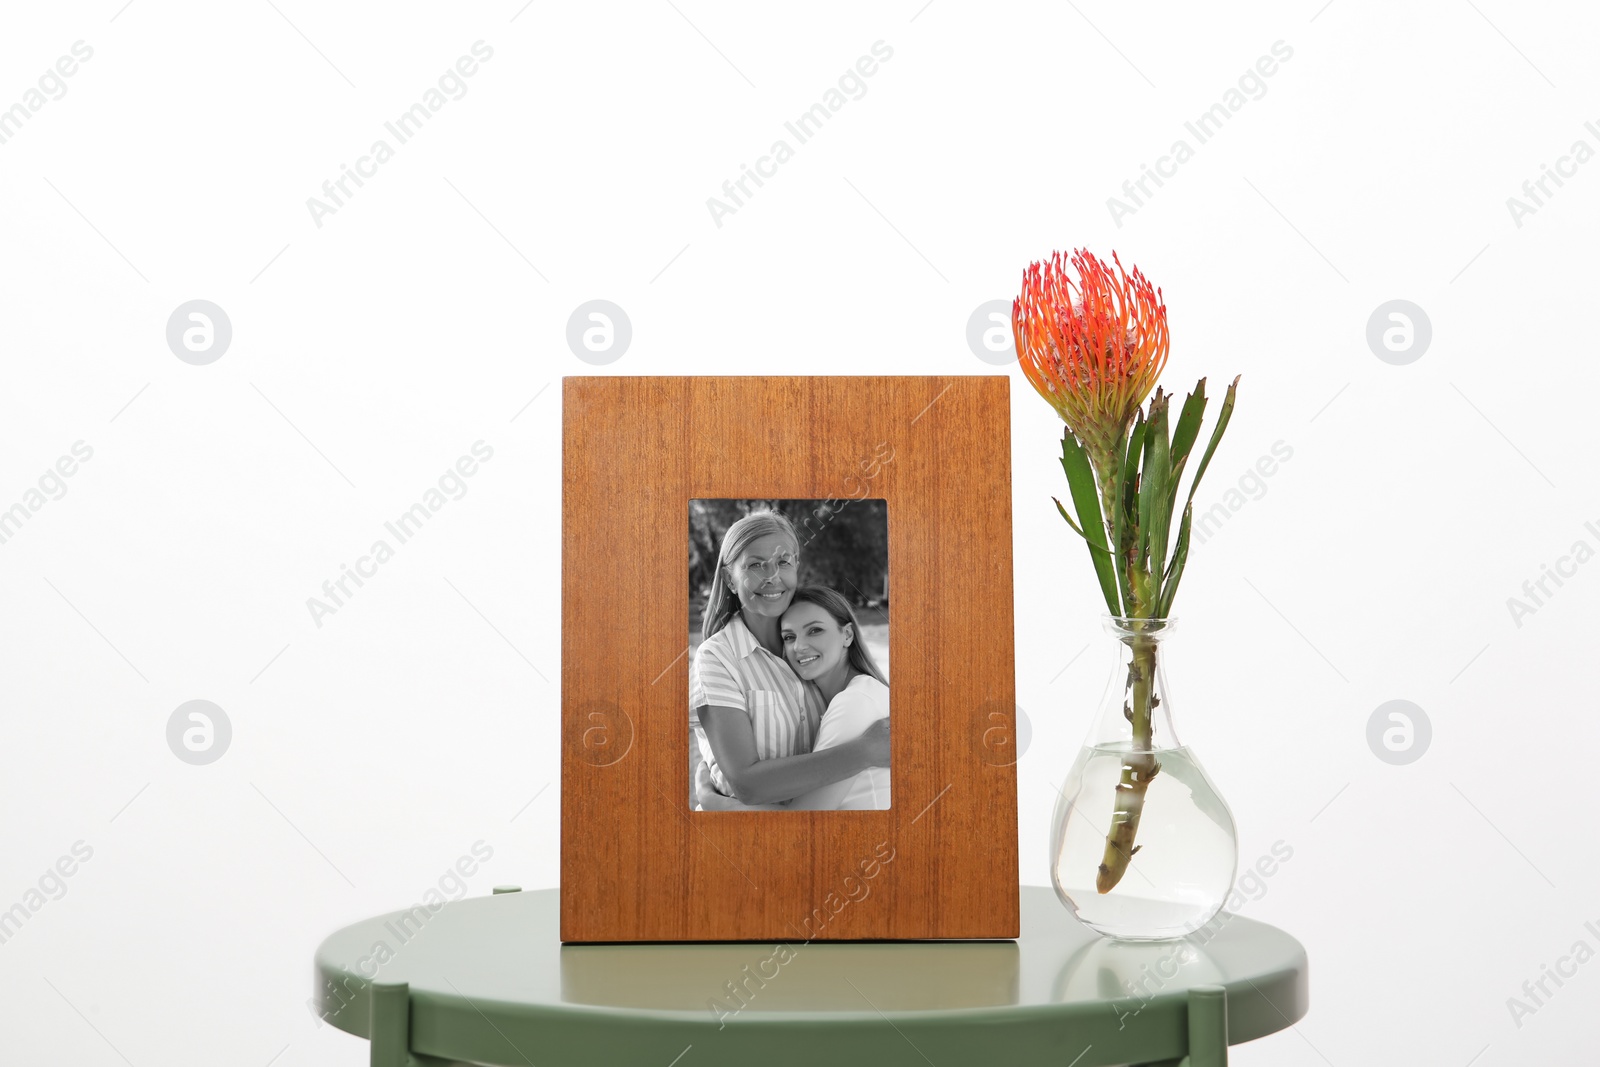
column 731, row 669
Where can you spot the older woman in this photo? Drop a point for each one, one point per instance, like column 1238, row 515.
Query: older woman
column 759, row 719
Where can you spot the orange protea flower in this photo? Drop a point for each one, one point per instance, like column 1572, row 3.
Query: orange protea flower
column 1092, row 349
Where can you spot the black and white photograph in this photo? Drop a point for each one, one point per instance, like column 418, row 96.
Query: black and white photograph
column 789, row 655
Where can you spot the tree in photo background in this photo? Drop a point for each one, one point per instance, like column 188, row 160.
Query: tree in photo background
column 844, row 544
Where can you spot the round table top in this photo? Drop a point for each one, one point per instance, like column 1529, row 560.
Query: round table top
column 491, row 983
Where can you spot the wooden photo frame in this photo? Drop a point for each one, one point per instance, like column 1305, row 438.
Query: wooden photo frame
column 637, row 864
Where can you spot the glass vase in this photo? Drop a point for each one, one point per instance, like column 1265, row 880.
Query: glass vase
column 1142, row 846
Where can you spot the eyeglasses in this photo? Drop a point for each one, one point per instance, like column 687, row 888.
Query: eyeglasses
column 765, row 566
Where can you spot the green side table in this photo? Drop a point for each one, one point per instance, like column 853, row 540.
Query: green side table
column 486, row 980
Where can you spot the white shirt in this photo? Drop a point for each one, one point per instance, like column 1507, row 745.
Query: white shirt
column 731, row 669
column 861, row 703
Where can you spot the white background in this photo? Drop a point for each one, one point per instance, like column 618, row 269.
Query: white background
column 430, row 311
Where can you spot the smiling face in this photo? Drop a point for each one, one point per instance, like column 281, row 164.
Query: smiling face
column 813, row 643
column 764, row 575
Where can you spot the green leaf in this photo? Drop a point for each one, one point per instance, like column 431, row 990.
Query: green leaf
column 1127, row 493
column 1155, row 513
column 1075, row 527
column 1184, row 434
column 1086, row 500
column 1180, row 556
column 1216, row 436
column 1079, row 530
column 1125, row 532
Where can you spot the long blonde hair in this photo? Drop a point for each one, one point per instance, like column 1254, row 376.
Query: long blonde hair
column 722, row 601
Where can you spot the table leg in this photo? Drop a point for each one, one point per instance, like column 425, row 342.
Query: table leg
column 1208, row 1027
column 390, row 1015
column 1208, row 1030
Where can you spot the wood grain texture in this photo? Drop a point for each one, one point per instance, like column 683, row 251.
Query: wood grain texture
column 636, row 863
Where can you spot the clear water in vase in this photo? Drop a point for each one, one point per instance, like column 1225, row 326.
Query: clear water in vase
column 1185, row 853
column 1142, row 846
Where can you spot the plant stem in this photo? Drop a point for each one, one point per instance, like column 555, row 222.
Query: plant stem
column 1107, row 463
column 1138, row 767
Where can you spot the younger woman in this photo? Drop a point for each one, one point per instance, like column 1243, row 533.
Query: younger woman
column 822, row 642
